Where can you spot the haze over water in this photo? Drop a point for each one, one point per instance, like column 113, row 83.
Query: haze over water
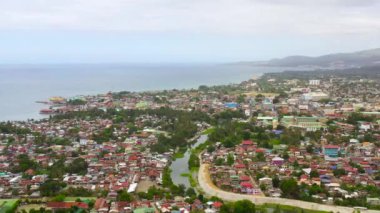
column 22, row 85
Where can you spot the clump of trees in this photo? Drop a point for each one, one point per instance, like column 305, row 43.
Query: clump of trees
column 9, row 128
column 24, row 163
column 58, row 169
column 241, row 206
column 193, row 161
column 123, row 195
column 289, row 188
column 51, row 188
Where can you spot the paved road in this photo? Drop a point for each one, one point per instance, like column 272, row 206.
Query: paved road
column 210, row 189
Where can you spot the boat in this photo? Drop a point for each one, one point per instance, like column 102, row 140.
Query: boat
column 47, row 111
column 57, row 100
column 42, row 102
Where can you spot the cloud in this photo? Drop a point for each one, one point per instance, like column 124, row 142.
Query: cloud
column 219, row 17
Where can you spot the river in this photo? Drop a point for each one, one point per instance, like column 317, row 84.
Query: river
column 180, row 165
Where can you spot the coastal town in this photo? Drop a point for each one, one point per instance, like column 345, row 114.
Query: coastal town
column 314, row 138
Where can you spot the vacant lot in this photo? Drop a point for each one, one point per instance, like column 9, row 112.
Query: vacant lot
column 29, row 207
column 144, row 185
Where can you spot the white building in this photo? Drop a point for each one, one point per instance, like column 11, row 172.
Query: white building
column 314, row 96
column 314, row 82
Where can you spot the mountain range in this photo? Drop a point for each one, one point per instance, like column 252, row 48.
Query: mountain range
column 339, row 60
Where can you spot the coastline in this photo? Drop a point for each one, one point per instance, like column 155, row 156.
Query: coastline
column 38, row 84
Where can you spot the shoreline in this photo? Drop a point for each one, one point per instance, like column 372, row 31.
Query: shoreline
column 23, row 106
column 44, row 102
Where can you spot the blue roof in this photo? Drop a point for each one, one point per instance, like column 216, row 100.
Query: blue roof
column 277, row 132
column 231, row 105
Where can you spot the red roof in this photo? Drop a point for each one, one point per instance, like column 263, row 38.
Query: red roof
column 246, row 184
column 240, row 166
column 217, row 204
column 331, row 147
column 247, row 142
column 100, row 203
column 260, row 150
column 66, row 205
column 132, row 158
column 244, row 178
column 153, row 173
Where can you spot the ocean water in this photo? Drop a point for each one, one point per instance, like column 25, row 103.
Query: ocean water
column 22, row 85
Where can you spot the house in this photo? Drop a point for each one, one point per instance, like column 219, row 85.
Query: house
column 101, row 205
column 266, row 181
column 373, row 201
column 305, row 123
column 277, row 161
column 331, row 151
column 246, row 187
column 248, row 145
column 365, row 126
column 231, row 105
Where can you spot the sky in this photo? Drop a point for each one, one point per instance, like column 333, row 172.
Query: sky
column 182, row 31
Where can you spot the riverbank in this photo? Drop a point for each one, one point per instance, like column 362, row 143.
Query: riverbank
column 180, row 166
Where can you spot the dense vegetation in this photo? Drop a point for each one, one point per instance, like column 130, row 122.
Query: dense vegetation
column 241, row 206
column 9, row 128
column 181, row 125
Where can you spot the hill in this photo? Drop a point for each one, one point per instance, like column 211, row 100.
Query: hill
column 338, row 60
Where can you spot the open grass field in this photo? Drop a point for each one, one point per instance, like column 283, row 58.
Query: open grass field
column 255, row 93
column 82, row 198
column 6, row 204
column 208, row 131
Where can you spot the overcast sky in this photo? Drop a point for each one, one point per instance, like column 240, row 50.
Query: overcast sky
column 75, row 31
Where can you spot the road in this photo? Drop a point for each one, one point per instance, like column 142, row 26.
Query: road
column 211, row 190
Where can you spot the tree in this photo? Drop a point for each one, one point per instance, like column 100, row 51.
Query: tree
column 193, row 161
column 259, row 97
column 291, row 137
column 259, row 175
column 339, row 172
column 314, row 174
column 241, row 206
column 59, row 198
column 263, row 187
column 123, row 195
column 24, row 163
column 210, row 149
column 78, row 166
column 289, row 188
column 275, row 181
column 310, row 149
column 260, row 156
column 220, row 161
column 57, row 170
column 190, row 192
column 230, row 159
column 51, row 188
column 244, row 206
column 246, row 135
column 166, row 178
column 315, row 189
column 240, row 99
column 78, row 192
column 178, row 190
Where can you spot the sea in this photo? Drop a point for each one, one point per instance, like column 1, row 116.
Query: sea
column 22, row 85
